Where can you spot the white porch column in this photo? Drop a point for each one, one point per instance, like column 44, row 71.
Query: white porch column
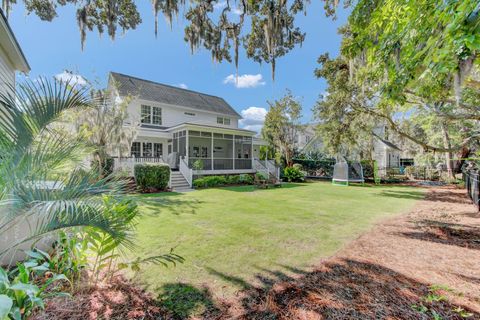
column 212, row 152
column 251, row 152
column 234, row 152
column 187, row 148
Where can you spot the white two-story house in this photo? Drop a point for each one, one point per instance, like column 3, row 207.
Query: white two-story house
column 194, row 132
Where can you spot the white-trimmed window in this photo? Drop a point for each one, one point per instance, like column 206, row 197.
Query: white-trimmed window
column 136, row 149
column 224, row 121
column 151, row 115
column 146, row 114
column 157, row 150
column 147, row 149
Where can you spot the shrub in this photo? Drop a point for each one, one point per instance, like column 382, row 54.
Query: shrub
column 24, row 288
column 233, row 179
column 261, row 176
column 293, row 174
column 151, row 177
column 215, row 181
column 246, row 179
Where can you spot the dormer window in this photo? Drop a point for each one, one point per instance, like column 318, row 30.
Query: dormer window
column 151, row 115
column 224, row 121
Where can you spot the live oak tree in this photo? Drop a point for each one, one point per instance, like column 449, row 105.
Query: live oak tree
column 282, row 125
column 398, row 37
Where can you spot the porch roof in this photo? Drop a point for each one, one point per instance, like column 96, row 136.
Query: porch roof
column 200, row 127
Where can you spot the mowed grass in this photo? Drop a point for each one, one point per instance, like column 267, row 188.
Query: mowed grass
column 229, row 236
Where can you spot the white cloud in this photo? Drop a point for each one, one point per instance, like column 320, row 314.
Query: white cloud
column 253, row 118
column 245, row 80
column 71, row 78
column 237, row 10
column 182, row 85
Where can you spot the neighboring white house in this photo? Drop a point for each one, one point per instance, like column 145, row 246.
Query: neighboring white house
column 385, row 152
column 12, row 58
column 194, row 132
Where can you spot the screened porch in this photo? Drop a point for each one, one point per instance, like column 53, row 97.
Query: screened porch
column 213, row 151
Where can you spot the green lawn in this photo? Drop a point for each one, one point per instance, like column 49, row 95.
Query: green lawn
column 230, row 235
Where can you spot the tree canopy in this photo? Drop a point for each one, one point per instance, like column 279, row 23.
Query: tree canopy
column 282, row 124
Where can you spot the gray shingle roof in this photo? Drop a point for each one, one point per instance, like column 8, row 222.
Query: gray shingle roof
column 387, row 143
column 153, row 91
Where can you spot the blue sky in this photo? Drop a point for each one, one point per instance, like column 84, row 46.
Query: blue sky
column 53, row 47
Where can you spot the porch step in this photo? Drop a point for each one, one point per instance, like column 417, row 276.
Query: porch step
column 178, row 182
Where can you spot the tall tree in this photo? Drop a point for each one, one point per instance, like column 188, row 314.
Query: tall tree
column 282, row 125
column 410, row 34
column 103, row 127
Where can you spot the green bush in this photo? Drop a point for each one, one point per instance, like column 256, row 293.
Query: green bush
column 246, row 179
column 233, row 179
column 261, row 176
column 293, row 174
column 216, row 181
column 152, row 177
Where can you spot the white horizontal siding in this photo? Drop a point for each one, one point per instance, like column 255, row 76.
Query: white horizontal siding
column 175, row 115
column 7, row 73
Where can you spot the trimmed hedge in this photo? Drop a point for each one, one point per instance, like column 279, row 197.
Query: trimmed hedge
column 216, row 181
column 152, row 177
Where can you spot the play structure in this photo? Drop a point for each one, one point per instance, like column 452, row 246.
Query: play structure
column 345, row 172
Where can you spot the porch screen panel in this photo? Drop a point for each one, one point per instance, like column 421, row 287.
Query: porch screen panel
column 222, row 152
column 243, row 152
column 182, row 144
column 199, row 153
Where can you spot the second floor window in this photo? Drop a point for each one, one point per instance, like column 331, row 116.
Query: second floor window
column 224, row 121
column 151, row 115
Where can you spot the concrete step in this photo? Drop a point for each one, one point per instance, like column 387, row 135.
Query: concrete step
column 183, row 189
column 179, row 183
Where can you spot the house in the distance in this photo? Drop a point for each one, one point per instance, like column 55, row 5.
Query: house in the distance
column 193, row 132
column 12, row 58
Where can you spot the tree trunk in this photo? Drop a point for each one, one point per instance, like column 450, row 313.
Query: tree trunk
column 448, row 155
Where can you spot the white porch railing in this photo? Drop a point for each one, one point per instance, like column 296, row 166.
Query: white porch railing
column 186, row 171
column 126, row 164
column 268, row 167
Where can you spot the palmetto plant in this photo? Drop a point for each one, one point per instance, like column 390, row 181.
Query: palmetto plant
column 32, row 150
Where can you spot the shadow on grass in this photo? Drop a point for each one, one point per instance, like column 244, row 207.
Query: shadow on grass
column 340, row 289
column 401, row 194
column 451, row 234
column 271, row 188
column 171, row 202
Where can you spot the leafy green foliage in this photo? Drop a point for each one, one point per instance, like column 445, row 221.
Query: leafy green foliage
column 282, row 124
column 32, row 149
column 216, row 181
column 23, row 289
column 152, row 176
column 197, row 165
column 293, row 174
column 105, row 248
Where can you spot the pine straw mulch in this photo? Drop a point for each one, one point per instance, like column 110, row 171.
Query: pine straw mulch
column 413, row 266
column 120, row 299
